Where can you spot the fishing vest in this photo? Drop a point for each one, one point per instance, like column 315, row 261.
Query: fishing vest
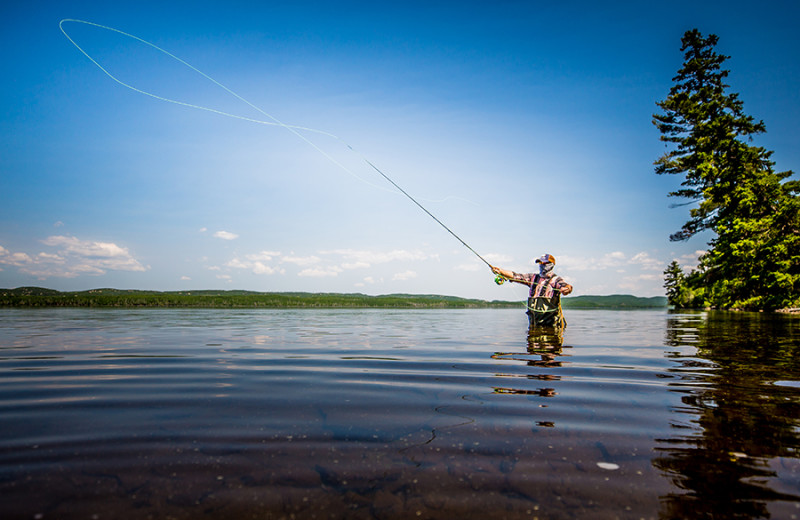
column 544, row 302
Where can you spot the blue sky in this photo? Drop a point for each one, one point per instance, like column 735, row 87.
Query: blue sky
column 525, row 127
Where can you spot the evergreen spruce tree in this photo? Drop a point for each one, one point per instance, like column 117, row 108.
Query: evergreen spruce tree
column 674, row 283
column 754, row 258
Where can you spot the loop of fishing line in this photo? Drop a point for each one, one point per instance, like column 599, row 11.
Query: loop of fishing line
column 271, row 120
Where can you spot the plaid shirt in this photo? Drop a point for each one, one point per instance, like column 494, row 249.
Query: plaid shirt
column 541, row 286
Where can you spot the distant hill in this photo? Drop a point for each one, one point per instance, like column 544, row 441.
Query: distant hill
column 31, row 291
column 106, row 297
column 614, row 301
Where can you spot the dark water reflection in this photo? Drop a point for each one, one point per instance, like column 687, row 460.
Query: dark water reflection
column 733, row 448
column 397, row 414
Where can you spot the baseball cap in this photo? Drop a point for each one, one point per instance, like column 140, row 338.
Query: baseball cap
column 546, row 259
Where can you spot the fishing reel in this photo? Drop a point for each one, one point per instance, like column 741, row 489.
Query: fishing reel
column 500, row 279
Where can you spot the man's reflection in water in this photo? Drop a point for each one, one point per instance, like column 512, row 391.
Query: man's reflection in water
column 547, row 343
column 544, row 348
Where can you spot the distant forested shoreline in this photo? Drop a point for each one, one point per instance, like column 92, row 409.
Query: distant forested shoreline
column 41, row 297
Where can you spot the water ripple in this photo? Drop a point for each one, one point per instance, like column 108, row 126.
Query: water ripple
column 372, row 414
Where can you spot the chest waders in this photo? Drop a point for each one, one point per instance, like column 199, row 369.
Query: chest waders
column 544, row 305
column 546, row 312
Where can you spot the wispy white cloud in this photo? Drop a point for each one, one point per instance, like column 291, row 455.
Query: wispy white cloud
column 226, row 235
column 651, row 277
column 14, row 259
column 405, row 275
column 261, row 268
column 257, row 263
column 613, row 260
column 643, row 284
column 647, row 262
column 234, row 263
column 263, row 256
column 301, row 260
column 356, row 265
column 691, row 260
column 321, row 272
column 73, row 257
column 640, row 273
column 360, row 258
column 328, row 263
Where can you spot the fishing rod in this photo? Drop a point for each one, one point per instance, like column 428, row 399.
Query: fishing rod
column 272, row 121
column 404, row 192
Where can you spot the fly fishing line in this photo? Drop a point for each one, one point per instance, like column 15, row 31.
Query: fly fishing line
column 270, row 120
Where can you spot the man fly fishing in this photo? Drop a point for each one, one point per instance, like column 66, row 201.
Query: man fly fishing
column 544, row 298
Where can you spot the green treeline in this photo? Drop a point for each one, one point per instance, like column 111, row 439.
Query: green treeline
column 753, row 260
column 36, row 297
column 614, row 301
column 40, row 297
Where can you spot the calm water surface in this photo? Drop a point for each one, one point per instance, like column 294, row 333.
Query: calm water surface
column 397, row 414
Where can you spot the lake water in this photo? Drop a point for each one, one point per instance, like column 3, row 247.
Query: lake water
column 184, row 413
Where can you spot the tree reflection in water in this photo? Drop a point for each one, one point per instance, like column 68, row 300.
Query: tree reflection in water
column 736, row 441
